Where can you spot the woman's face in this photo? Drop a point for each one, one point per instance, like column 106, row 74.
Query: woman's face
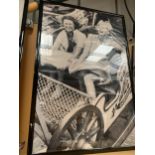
column 68, row 25
column 84, row 21
column 80, row 15
column 102, row 31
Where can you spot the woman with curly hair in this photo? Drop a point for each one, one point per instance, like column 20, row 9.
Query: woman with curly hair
column 100, row 60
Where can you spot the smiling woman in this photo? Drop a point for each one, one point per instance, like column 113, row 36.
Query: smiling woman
column 70, row 39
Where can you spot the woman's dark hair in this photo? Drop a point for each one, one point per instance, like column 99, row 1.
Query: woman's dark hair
column 76, row 24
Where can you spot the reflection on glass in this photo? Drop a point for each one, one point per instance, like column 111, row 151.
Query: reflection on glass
column 84, row 83
column 99, row 53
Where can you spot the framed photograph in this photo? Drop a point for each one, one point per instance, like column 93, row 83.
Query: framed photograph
column 83, row 97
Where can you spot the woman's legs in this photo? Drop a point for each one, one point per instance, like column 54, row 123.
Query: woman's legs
column 89, row 83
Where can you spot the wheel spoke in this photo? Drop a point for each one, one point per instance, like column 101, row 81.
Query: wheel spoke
column 72, row 131
column 93, row 132
column 91, row 124
column 80, row 123
column 87, row 119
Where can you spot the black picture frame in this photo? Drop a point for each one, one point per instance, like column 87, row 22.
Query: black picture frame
column 45, row 72
column 22, row 30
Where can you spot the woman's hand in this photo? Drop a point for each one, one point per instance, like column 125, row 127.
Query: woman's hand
column 74, row 62
column 73, row 65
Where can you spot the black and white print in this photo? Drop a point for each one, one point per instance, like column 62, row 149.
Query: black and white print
column 84, row 97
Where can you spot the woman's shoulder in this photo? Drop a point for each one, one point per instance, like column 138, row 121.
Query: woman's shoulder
column 77, row 32
column 79, row 35
column 63, row 32
column 61, row 35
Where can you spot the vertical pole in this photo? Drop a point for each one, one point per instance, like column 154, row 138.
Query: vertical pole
column 79, row 2
column 116, row 6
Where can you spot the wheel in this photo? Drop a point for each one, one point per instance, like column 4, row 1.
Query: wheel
column 80, row 129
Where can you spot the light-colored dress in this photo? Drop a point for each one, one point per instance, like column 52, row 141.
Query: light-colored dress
column 100, row 62
column 60, row 57
column 98, row 56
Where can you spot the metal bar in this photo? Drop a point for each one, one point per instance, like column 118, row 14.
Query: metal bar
column 116, row 6
column 79, row 2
